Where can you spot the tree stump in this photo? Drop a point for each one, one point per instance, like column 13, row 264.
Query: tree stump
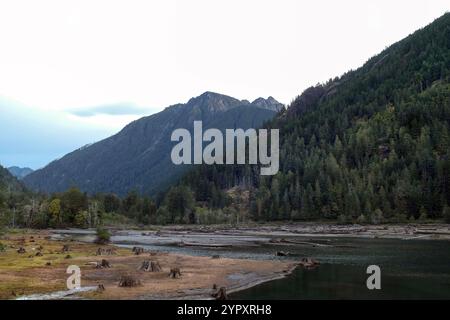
column 150, row 266
column 175, row 273
column 105, row 252
column 21, row 250
column 138, row 250
column 103, row 265
column 129, row 281
column 309, row 263
column 221, row 294
column 101, row 288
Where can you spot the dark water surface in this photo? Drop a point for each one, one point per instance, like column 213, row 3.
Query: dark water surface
column 415, row 269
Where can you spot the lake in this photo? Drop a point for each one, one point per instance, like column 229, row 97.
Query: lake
column 410, row 269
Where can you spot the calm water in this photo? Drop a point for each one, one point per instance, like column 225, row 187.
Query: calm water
column 410, row 269
column 416, row 269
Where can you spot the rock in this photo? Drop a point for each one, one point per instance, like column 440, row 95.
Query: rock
column 65, row 248
column 216, row 256
column 38, row 254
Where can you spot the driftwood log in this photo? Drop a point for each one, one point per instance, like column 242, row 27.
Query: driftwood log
column 129, row 281
column 282, row 254
column 150, row 266
column 175, row 273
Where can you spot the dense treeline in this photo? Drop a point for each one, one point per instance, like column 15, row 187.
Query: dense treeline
column 370, row 146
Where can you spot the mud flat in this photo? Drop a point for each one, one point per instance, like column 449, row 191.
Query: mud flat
column 41, row 270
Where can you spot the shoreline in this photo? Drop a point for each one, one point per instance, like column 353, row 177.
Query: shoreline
column 34, row 276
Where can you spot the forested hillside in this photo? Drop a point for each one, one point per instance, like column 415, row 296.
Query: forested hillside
column 372, row 145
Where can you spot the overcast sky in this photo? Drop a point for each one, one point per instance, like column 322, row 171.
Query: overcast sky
column 92, row 66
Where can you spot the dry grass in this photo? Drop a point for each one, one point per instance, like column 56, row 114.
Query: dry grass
column 24, row 274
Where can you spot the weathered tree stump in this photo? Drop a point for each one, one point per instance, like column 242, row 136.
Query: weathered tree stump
column 103, row 265
column 150, row 266
column 105, row 252
column 101, row 288
column 221, row 294
column 309, row 263
column 129, row 281
column 138, row 250
column 175, row 273
column 21, row 250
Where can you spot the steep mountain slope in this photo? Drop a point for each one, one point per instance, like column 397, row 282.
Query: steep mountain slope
column 138, row 157
column 20, row 173
column 8, row 183
column 373, row 144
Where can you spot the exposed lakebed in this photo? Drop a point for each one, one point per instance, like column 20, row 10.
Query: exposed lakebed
column 411, row 269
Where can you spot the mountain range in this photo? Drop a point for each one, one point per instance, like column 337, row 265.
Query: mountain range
column 20, row 173
column 138, row 157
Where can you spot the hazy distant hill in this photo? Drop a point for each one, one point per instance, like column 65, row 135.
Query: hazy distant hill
column 9, row 183
column 138, row 157
column 20, row 173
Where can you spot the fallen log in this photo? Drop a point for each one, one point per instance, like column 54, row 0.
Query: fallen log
column 282, row 254
column 314, row 244
column 208, row 245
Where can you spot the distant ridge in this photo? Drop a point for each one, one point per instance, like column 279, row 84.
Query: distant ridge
column 138, row 157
